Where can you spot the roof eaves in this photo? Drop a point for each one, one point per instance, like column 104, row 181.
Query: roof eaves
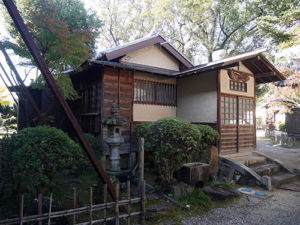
column 122, row 50
column 136, row 67
column 188, row 63
column 272, row 67
column 223, row 62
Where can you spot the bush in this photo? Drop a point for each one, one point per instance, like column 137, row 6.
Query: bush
column 141, row 130
column 36, row 156
column 282, row 127
column 209, row 136
column 173, row 142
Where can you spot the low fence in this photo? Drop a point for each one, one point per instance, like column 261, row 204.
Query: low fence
column 122, row 209
column 283, row 138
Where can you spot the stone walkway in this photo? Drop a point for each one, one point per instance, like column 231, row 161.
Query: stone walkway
column 289, row 156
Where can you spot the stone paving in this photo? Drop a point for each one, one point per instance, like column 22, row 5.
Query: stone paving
column 289, row 156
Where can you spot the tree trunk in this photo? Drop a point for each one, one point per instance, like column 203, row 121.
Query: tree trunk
column 210, row 56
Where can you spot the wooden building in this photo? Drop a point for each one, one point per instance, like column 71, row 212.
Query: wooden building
column 150, row 79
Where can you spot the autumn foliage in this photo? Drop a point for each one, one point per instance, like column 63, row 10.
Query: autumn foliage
column 286, row 93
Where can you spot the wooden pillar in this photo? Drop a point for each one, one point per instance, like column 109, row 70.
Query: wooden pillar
column 141, row 162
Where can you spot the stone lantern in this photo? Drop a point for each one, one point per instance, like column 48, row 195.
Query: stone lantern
column 114, row 138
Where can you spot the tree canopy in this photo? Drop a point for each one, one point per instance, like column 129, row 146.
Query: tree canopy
column 197, row 27
column 64, row 32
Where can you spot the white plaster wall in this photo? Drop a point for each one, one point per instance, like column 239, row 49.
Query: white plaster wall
column 197, row 97
column 152, row 77
column 147, row 112
column 152, row 56
column 225, row 81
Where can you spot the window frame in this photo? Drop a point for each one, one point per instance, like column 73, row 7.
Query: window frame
column 154, row 93
column 238, row 86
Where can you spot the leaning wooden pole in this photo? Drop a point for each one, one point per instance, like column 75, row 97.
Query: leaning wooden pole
column 13, row 11
column 23, row 87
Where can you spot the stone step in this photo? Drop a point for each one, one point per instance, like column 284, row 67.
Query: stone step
column 266, row 169
column 251, row 160
column 283, row 178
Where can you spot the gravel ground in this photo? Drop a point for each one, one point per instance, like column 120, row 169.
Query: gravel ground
column 281, row 208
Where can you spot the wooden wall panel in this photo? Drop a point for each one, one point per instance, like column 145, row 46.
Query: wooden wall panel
column 246, row 138
column 228, row 139
column 118, row 88
column 87, row 108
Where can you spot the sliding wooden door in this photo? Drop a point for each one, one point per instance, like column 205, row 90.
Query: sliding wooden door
column 237, row 127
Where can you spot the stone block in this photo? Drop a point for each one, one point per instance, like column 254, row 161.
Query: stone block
column 181, row 189
column 219, row 192
column 297, row 171
column 267, row 182
column 226, row 173
column 193, row 173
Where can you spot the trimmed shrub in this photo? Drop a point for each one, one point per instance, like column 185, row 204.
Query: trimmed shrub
column 35, row 156
column 173, row 142
column 209, row 136
column 141, row 130
column 282, row 127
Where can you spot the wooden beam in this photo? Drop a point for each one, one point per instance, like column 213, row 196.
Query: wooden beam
column 265, row 74
column 257, row 67
column 252, row 59
column 239, row 71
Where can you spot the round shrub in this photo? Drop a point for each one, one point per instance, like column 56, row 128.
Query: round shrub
column 173, row 142
column 209, row 135
column 141, row 130
column 35, row 156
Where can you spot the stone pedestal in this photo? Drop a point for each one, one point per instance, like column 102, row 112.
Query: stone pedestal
column 193, row 173
column 114, row 145
column 114, row 140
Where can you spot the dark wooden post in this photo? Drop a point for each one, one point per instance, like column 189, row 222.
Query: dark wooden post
column 117, row 204
column 143, row 202
column 129, row 202
column 91, row 205
column 50, row 208
column 40, row 206
column 141, row 161
column 74, row 204
column 104, row 201
column 142, row 183
column 21, row 209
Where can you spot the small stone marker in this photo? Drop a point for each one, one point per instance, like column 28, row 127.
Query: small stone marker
column 266, row 181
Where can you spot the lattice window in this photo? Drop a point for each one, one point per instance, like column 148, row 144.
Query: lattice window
column 246, row 110
column 149, row 92
column 238, row 86
column 228, row 110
